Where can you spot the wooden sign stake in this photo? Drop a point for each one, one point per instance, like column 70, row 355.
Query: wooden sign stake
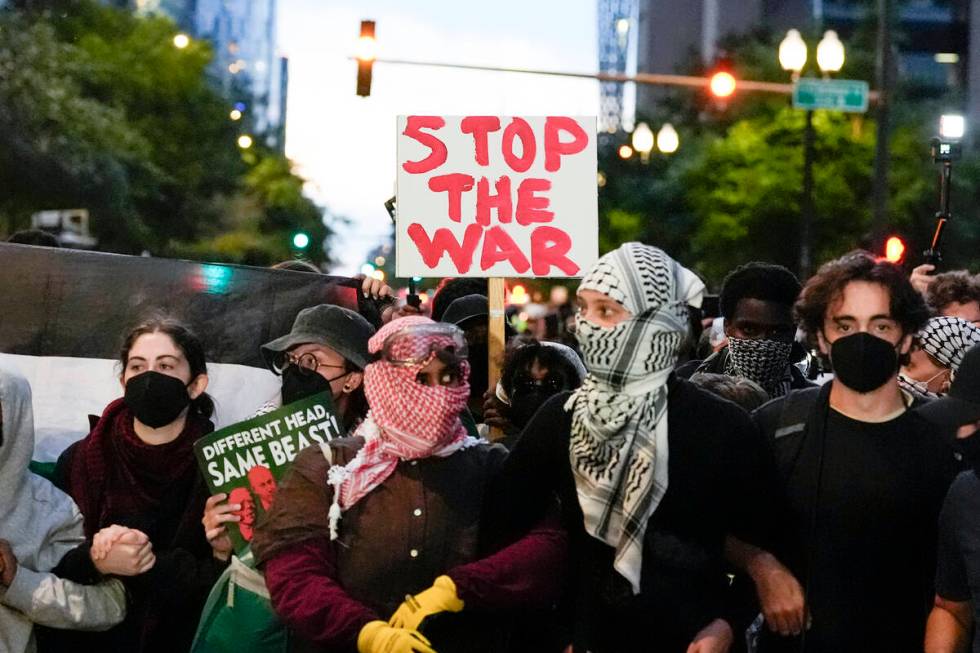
column 496, row 339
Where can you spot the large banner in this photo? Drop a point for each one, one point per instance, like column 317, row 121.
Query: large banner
column 64, row 314
column 492, row 196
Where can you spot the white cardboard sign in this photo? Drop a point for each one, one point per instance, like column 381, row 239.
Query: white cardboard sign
column 496, row 196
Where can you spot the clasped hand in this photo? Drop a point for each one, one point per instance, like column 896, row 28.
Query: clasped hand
column 120, row 551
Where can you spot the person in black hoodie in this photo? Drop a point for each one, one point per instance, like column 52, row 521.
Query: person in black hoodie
column 135, row 479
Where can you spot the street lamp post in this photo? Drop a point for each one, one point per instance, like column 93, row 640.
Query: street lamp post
column 792, row 57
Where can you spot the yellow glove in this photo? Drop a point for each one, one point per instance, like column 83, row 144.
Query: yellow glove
column 441, row 597
column 379, row 637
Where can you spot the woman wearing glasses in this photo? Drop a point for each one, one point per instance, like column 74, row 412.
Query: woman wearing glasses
column 326, row 351
column 376, row 533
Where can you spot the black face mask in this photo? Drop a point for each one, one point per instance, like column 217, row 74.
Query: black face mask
column 528, row 395
column 298, row 385
column 156, row 399
column 479, row 369
column 969, row 448
column 863, row 362
column 523, row 407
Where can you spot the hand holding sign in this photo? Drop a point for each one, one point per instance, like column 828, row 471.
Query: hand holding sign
column 523, row 190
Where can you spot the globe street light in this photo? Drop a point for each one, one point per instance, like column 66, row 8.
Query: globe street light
column 830, row 53
column 244, row 141
column 181, row 41
column 643, row 141
column 667, row 139
column 792, row 53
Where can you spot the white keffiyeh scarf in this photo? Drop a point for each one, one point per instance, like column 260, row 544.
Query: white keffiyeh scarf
column 618, row 446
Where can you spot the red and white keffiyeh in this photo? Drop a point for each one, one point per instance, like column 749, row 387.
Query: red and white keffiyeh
column 407, row 420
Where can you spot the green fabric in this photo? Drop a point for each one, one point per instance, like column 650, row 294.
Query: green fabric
column 237, row 619
column 469, row 423
column 45, row 470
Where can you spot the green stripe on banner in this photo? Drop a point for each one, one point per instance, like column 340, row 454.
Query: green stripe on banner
column 45, row 470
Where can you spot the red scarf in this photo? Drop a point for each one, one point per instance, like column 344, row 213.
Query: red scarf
column 113, row 473
column 406, row 421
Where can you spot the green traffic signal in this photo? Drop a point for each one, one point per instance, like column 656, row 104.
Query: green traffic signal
column 301, row 240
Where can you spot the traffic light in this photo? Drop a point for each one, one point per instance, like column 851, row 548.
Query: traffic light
column 894, row 249
column 722, row 84
column 301, row 240
column 365, row 57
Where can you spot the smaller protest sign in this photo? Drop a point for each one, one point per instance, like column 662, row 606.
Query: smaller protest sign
column 247, row 460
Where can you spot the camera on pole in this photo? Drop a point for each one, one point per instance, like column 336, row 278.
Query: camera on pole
column 945, row 149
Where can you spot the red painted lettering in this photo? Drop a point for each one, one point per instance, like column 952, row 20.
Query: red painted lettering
column 499, row 246
column 455, row 185
column 501, row 201
column 531, row 207
column 554, row 148
column 548, row 247
column 437, row 149
column 444, row 242
column 518, row 128
column 480, row 126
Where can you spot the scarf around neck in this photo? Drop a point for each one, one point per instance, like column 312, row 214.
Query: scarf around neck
column 114, row 473
column 761, row 360
column 618, row 446
column 406, row 421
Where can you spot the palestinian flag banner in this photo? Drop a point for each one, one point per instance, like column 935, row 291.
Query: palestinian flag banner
column 64, row 314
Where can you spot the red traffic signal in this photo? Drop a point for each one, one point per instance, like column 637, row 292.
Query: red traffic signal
column 722, row 84
column 365, row 57
column 894, row 249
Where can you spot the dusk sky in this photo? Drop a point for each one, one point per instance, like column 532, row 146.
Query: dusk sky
column 345, row 145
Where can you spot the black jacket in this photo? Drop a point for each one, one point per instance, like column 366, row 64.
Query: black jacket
column 718, row 466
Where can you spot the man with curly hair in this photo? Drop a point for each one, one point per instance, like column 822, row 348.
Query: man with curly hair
column 863, row 476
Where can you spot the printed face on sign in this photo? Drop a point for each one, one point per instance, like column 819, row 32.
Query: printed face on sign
column 246, row 526
column 491, row 196
column 263, row 484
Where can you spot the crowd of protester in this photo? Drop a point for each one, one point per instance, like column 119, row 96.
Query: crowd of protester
column 796, row 473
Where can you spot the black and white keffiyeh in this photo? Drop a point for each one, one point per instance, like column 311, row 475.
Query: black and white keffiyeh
column 618, row 446
column 761, row 360
column 947, row 339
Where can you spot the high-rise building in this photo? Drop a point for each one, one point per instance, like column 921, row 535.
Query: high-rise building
column 617, row 32
column 246, row 64
column 939, row 38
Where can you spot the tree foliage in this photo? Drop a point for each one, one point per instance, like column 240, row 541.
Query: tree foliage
column 99, row 110
column 732, row 193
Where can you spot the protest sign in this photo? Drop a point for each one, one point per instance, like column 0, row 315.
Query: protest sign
column 66, row 312
column 491, row 196
column 247, row 460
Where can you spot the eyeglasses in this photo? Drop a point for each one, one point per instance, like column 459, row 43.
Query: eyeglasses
column 417, row 345
column 306, row 363
column 550, row 384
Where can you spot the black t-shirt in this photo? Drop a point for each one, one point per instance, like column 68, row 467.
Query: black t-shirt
column 718, row 469
column 958, row 564
column 872, row 540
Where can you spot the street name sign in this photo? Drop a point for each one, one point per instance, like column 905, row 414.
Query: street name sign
column 847, row 95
